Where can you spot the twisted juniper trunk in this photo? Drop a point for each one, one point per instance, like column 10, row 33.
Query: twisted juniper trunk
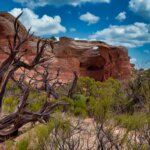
column 6, row 64
column 10, row 124
column 6, row 71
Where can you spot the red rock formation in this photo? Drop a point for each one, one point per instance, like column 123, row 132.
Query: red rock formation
column 88, row 58
column 95, row 59
column 7, row 27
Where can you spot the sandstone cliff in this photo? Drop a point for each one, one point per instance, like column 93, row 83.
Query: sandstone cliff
column 88, row 58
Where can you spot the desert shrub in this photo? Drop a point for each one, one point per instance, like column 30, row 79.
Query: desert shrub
column 53, row 134
column 68, row 108
column 138, row 91
column 36, row 100
column 77, row 105
column 132, row 122
column 117, row 95
column 145, row 91
column 60, row 124
column 78, row 96
column 104, row 101
column 12, row 89
column 42, row 134
column 9, row 144
column 137, row 130
column 86, row 86
column 9, row 104
column 88, row 92
column 78, row 111
column 23, row 144
column 110, row 89
column 10, row 85
column 107, row 102
column 100, row 109
column 65, row 135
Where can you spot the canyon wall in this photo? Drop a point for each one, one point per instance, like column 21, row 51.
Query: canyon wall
column 94, row 59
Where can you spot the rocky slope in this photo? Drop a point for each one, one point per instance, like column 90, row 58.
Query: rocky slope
column 88, row 58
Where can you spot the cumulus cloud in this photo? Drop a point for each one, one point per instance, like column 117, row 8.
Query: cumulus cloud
column 45, row 25
column 133, row 60
column 82, row 39
column 133, row 35
column 89, row 18
column 140, row 7
column 41, row 3
column 121, row 16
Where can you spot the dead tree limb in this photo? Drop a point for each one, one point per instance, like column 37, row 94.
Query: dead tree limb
column 10, row 124
column 15, row 53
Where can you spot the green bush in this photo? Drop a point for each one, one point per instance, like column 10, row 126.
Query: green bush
column 80, row 108
column 12, row 88
column 78, row 111
column 132, row 122
column 110, row 89
column 99, row 109
column 9, row 104
column 9, row 144
column 90, row 93
column 23, row 144
column 139, row 91
column 60, row 126
column 77, row 105
column 36, row 100
column 42, row 133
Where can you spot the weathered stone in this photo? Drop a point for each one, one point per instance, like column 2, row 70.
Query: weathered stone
column 96, row 59
column 88, row 58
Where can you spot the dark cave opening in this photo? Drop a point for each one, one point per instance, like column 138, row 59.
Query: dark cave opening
column 93, row 68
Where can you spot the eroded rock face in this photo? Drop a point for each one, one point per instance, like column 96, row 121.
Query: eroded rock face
column 88, row 58
column 7, row 25
column 95, row 59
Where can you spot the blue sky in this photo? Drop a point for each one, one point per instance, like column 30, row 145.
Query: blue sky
column 117, row 22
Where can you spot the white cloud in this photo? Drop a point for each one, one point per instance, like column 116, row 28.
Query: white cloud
column 82, row 39
column 133, row 35
column 121, row 16
column 72, row 29
column 89, row 18
column 41, row 3
column 133, row 60
column 45, row 25
column 141, row 7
